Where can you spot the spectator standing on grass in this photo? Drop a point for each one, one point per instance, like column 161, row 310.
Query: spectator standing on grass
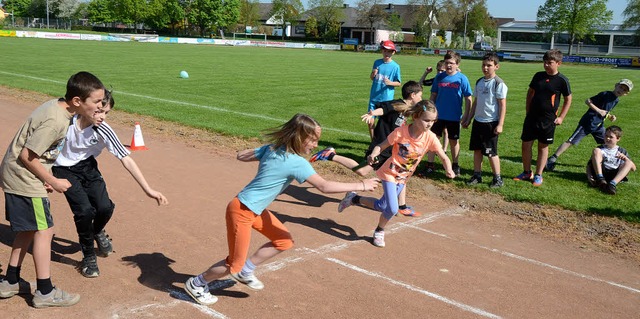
column 489, row 109
column 541, row 119
column 410, row 143
column 592, row 122
column 25, row 174
column 280, row 162
column 450, row 90
column 385, row 77
column 87, row 197
column 390, row 116
column 610, row 163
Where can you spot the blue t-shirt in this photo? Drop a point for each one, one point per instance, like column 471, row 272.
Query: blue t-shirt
column 380, row 91
column 591, row 120
column 450, row 89
column 277, row 169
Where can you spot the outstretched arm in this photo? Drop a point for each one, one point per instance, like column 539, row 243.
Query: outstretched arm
column 248, row 155
column 134, row 170
column 326, row 186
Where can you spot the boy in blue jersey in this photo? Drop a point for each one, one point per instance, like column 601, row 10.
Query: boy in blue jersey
column 449, row 90
column 385, row 77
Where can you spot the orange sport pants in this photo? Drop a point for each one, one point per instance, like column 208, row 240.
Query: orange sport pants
column 240, row 221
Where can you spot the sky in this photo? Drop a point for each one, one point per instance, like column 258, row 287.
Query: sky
column 527, row 9
column 522, row 10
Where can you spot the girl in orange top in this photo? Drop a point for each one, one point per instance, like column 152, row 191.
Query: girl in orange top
column 410, row 143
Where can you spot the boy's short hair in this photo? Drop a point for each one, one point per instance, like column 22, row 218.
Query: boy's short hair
column 108, row 99
column 553, row 55
column 491, row 56
column 82, row 84
column 439, row 65
column 616, row 130
column 410, row 87
column 452, row 55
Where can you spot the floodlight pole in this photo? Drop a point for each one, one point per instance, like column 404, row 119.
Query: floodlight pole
column 47, row 14
column 464, row 36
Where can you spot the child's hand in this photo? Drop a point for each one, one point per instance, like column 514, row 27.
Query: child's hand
column 622, row 156
column 158, row 197
column 370, row 184
column 372, row 159
column 611, row 117
column 368, row 118
column 428, row 70
column 387, row 81
column 558, row 121
column 498, row 130
column 449, row 173
column 60, row 185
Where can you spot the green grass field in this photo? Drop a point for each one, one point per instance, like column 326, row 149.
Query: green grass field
column 244, row 90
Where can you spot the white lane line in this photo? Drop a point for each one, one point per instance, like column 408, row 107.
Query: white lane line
column 531, row 261
column 204, row 309
column 304, row 253
column 446, row 300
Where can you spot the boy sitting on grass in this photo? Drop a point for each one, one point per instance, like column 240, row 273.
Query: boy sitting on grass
column 610, row 164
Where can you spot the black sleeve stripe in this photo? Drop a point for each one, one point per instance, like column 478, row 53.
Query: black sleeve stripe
column 106, row 132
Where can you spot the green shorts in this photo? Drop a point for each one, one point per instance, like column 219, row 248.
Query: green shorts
column 27, row 213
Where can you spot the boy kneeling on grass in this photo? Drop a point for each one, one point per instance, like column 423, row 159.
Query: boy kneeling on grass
column 610, row 164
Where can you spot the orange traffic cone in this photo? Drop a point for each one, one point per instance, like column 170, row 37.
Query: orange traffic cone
column 137, row 142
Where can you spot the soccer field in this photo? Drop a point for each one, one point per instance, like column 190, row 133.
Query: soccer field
column 244, row 90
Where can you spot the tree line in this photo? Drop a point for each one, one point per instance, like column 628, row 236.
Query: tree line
column 324, row 18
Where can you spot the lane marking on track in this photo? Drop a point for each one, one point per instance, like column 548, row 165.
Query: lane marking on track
column 304, row 253
column 143, row 311
column 446, row 300
column 529, row 260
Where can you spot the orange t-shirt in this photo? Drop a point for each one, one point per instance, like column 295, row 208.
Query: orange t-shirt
column 406, row 154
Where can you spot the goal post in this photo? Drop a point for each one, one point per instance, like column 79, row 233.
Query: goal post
column 257, row 39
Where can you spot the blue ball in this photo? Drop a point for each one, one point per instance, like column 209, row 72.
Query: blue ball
column 184, row 74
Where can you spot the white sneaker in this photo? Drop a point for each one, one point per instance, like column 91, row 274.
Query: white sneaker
column 346, row 201
column 200, row 294
column 378, row 238
column 251, row 281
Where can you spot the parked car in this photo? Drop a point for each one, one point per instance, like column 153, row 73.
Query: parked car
column 482, row 46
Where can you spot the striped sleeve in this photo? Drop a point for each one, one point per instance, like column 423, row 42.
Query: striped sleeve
column 111, row 141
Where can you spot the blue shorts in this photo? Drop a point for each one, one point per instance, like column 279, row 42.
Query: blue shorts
column 27, row 213
column 580, row 133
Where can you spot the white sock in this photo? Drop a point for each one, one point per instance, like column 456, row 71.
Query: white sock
column 248, row 268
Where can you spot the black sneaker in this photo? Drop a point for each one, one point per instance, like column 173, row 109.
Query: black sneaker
column 496, row 183
column 104, row 243
column 609, row 189
column 551, row 164
column 89, row 267
column 474, row 180
column 428, row 170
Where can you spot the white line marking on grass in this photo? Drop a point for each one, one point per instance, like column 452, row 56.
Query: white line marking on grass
column 446, row 300
column 206, row 107
column 532, row 261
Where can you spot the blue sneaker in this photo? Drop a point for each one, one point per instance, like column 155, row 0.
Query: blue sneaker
column 524, row 176
column 537, row 180
column 323, row 155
